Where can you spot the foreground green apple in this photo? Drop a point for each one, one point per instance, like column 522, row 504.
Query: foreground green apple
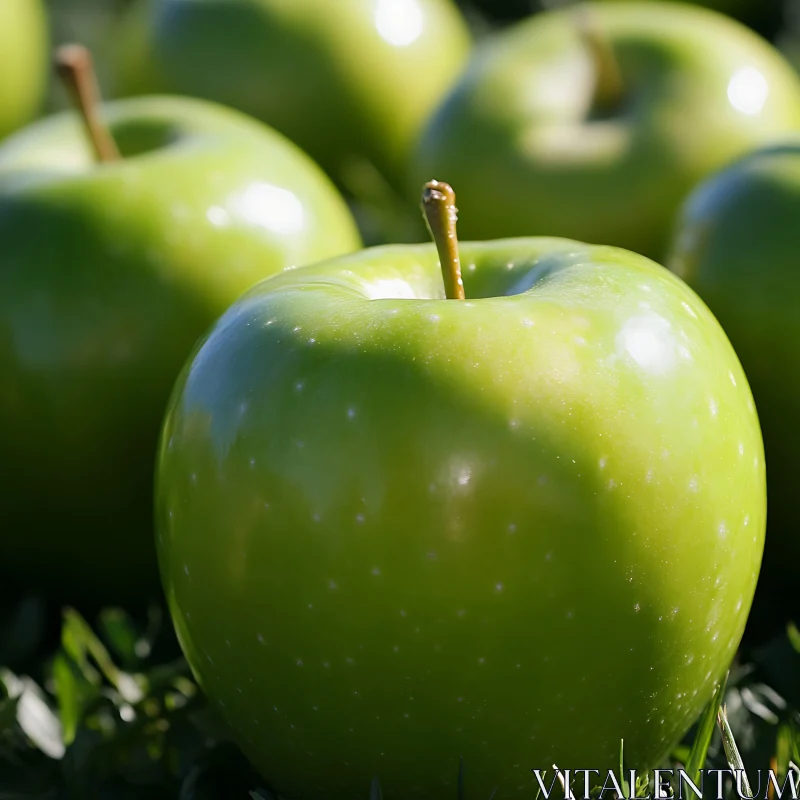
column 108, row 274
column 23, row 62
column 736, row 244
column 395, row 529
column 359, row 82
column 604, row 149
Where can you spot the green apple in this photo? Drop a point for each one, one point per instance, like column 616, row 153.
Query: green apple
column 767, row 17
column 736, row 244
column 355, row 84
column 24, row 47
column 734, row 8
column 395, row 529
column 604, row 149
column 109, row 272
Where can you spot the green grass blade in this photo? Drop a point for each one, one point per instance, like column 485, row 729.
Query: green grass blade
column 624, row 785
column 732, row 751
column 705, row 731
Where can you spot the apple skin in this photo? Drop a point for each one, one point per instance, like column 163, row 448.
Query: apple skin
column 521, row 118
column 741, row 9
column 108, row 275
column 24, row 62
column 736, row 244
column 360, row 84
column 394, row 531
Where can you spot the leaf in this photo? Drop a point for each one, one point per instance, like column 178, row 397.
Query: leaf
column 642, row 785
column 732, row 751
column 66, row 691
column 80, row 642
column 73, row 694
column 119, row 631
column 705, row 732
column 34, row 716
column 794, row 636
column 783, row 749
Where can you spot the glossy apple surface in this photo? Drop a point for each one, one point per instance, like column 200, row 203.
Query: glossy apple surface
column 395, row 529
column 108, row 275
column 736, row 243
column 24, row 62
column 734, row 8
column 699, row 91
column 359, row 82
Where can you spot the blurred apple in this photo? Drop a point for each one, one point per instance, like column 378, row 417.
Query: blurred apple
column 736, row 244
column 355, row 83
column 598, row 121
column 111, row 267
column 24, row 46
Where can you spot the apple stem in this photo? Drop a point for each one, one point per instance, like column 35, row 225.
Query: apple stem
column 609, row 88
column 441, row 214
column 74, row 66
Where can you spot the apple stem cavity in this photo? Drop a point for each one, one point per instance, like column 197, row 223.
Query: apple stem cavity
column 441, row 214
column 75, row 68
column 609, row 87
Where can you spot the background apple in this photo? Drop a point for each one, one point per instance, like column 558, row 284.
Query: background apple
column 697, row 90
column 736, row 244
column 354, row 84
column 24, row 45
column 750, row 11
column 396, row 529
column 764, row 14
column 108, row 274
